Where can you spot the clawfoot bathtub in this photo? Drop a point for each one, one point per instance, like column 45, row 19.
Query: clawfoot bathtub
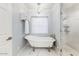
column 40, row 42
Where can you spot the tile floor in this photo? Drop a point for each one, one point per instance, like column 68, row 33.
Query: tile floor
column 28, row 51
column 68, row 51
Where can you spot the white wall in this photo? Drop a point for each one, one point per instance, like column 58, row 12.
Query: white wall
column 56, row 22
column 6, row 17
column 17, row 26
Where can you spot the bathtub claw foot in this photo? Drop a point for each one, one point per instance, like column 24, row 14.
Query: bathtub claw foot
column 49, row 50
column 33, row 49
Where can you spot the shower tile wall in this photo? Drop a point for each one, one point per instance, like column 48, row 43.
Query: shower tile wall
column 71, row 12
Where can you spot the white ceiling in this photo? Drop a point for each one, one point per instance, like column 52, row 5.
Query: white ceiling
column 70, row 7
column 35, row 8
column 35, row 5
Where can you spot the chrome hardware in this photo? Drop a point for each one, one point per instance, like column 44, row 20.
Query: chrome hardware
column 9, row 38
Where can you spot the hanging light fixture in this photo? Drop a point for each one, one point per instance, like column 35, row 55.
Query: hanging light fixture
column 38, row 11
column 38, row 4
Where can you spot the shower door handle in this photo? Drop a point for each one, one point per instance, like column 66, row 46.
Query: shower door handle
column 9, row 38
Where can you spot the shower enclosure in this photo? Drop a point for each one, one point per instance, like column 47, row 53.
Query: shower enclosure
column 70, row 33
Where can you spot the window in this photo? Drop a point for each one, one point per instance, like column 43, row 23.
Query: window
column 39, row 25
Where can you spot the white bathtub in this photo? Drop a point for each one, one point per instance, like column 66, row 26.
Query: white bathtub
column 37, row 41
